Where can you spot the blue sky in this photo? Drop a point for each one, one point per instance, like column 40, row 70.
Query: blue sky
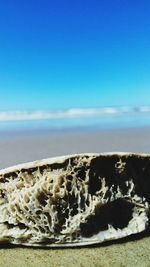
column 60, row 54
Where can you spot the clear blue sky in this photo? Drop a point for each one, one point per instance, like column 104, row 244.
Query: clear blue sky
column 63, row 53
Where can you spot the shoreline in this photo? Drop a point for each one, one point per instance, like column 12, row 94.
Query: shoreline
column 63, row 130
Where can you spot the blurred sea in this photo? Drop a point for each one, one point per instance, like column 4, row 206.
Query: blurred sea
column 89, row 119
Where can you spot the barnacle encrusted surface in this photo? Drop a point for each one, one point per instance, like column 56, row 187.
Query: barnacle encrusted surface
column 75, row 200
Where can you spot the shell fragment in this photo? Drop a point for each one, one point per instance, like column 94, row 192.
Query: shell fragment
column 75, row 200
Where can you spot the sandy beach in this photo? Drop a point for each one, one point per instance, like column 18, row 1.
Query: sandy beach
column 18, row 147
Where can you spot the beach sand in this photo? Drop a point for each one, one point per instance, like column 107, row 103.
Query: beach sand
column 18, row 147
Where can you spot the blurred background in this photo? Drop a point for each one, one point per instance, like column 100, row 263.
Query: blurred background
column 73, row 70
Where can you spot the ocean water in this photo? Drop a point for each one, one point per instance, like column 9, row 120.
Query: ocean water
column 91, row 118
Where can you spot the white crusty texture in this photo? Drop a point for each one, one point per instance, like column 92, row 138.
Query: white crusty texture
column 74, row 200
